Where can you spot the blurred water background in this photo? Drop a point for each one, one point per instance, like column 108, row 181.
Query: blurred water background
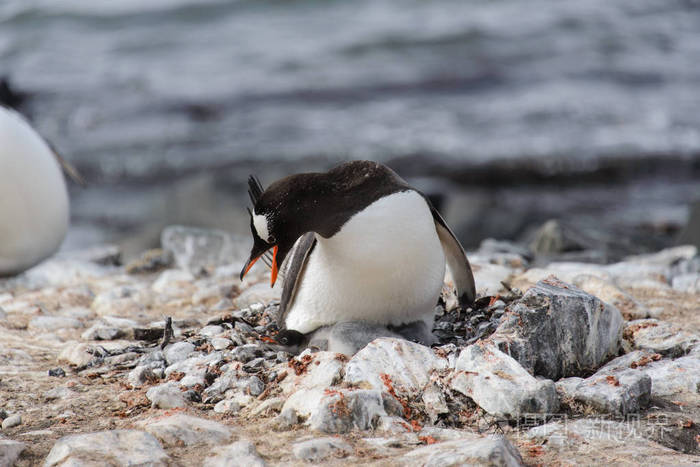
column 511, row 112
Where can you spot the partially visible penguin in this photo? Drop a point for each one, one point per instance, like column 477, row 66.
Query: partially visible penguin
column 356, row 244
column 34, row 207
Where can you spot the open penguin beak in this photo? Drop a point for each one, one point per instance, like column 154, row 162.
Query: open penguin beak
column 260, row 247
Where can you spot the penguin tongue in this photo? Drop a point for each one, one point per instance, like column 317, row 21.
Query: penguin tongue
column 273, row 274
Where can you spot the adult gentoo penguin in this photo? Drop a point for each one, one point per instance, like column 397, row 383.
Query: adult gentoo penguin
column 363, row 246
column 33, row 196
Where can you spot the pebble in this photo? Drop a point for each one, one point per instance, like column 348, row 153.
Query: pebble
column 227, row 406
column 57, row 372
column 221, row 343
column 141, row 375
column 319, row 449
column 241, row 453
column 178, row 352
column 166, row 396
column 11, row 421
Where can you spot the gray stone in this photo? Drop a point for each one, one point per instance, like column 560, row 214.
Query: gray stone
column 181, row 429
column 660, row 337
column 166, row 396
column 221, row 343
column 319, row 449
column 247, row 352
column 195, row 249
column 343, row 411
column 254, row 386
column 240, row 453
column 10, row 451
column 499, row 385
column 489, row 450
column 178, row 352
column 54, row 322
column 227, row 406
column 100, row 332
column 408, row 365
column 575, row 331
column 12, row 421
column 141, row 375
column 211, row 330
column 286, row 420
column 118, row 447
column 619, row 393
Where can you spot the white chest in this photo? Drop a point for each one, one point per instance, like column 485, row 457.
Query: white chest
column 386, row 265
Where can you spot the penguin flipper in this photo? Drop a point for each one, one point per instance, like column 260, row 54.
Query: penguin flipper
column 293, row 274
column 457, row 261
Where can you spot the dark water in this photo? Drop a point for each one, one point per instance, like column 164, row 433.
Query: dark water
column 165, row 105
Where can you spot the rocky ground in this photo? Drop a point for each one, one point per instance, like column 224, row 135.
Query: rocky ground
column 565, row 363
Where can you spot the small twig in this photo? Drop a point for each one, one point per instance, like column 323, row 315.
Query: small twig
column 167, row 332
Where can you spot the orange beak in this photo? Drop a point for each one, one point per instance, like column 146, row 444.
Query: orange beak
column 273, row 274
column 275, row 269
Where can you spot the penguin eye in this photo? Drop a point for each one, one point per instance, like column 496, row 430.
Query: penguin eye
column 271, row 239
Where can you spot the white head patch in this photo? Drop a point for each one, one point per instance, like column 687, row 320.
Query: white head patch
column 260, row 224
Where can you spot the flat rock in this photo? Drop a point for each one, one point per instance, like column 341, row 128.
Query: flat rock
column 489, row 450
column 671, row 377
column 10, row 451
column 181, row 429
column 603, row 442
column 166, row 396
column 319, row 449
column 500, row 385
column 659, row 336
column 617, row 393
column 195, row 248
column 576, row 332
column 668, row 376
column 408, row 365
column 118, row 447
column 241, row 453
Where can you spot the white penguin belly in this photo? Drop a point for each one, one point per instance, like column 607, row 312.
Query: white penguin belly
column 33, row 196
column 386, row 265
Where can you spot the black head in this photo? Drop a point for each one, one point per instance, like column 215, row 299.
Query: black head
column 289, row 337
column 275, row 223
column 312, row 202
